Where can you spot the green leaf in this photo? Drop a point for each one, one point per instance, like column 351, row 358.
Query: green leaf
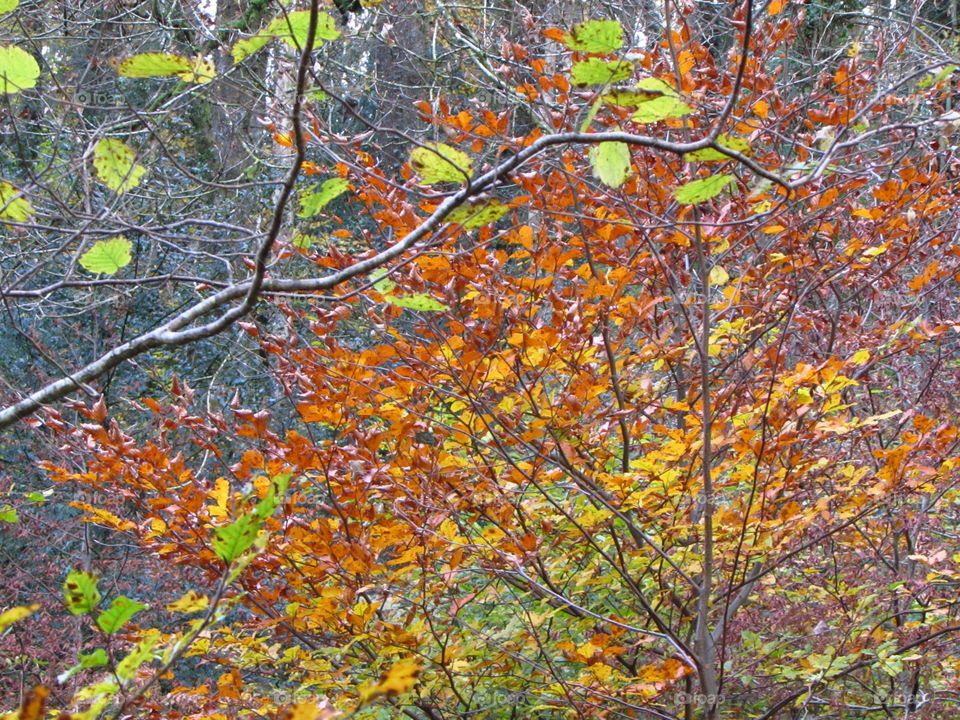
column 107, row 256
column 97, row 658
column 936, row 78
column 595, row 36
column 384, row 286
column 417, row 302
column 233, row 540
column 121, row 609
column 478, row 214
column 278, row 490
column 38, row 498
column 437, row 163
column 9, row 514
column 143, row 652
column 656, row 85
column 248, row 46
column 594, row 71
column 591, row 114
column 146, row 65
column 292, row 29
column 80, row 592
column 661, row 108
column 8, row 5
column 303, row 241
column 18, row 70
column 12, row 207
column 610, row 162
column 315, row 200
column 737, row 144
column 631, row 98
column 698, row 191
column 115, row 163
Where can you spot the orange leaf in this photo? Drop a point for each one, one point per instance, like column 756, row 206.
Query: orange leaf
column 928, row 274
column 555, row 34
column 33, row 704
column 775, row 7
column 400, row 678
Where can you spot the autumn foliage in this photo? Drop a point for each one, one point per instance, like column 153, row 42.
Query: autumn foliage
column 636, row 429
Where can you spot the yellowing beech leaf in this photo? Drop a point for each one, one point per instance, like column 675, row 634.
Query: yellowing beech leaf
column 611, row 162
column 595, row 36
column 9, row 617
column 18, row 70
column 631, row 98
column 107, row 256
column 656, row 85
column 248, row 46
column 292, row 28
column 718, row 276
column 80, row 592
column 661, row 108
column 318, row 196
column 698, row 191
column 305, row 711
column 143, row 652
column 202, row 70
column 594, row 71
column 190, row 602
column 157, row 64
column 116, row 166
column 8, row 5
column 417, row 302
column 478, row 214
column 860, row 357
column 437, row 163
column 12, row 205
column 400, row 678
column 737, row 144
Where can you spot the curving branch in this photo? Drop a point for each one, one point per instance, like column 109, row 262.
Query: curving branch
column 180, row 330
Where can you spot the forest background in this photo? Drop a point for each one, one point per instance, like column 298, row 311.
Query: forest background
column 479, row 360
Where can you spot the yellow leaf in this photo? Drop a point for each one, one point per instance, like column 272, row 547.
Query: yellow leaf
column 102, row 517
column 305, row 711
column 12, row 615
column 719, row 246
column 202, row 70
column 191, row 601
column 860, row 357
column 400, row 678
column 761, row 108
column 220, row 494
column 718, row 276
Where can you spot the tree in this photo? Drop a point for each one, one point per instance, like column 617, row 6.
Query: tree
column 628, row 395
